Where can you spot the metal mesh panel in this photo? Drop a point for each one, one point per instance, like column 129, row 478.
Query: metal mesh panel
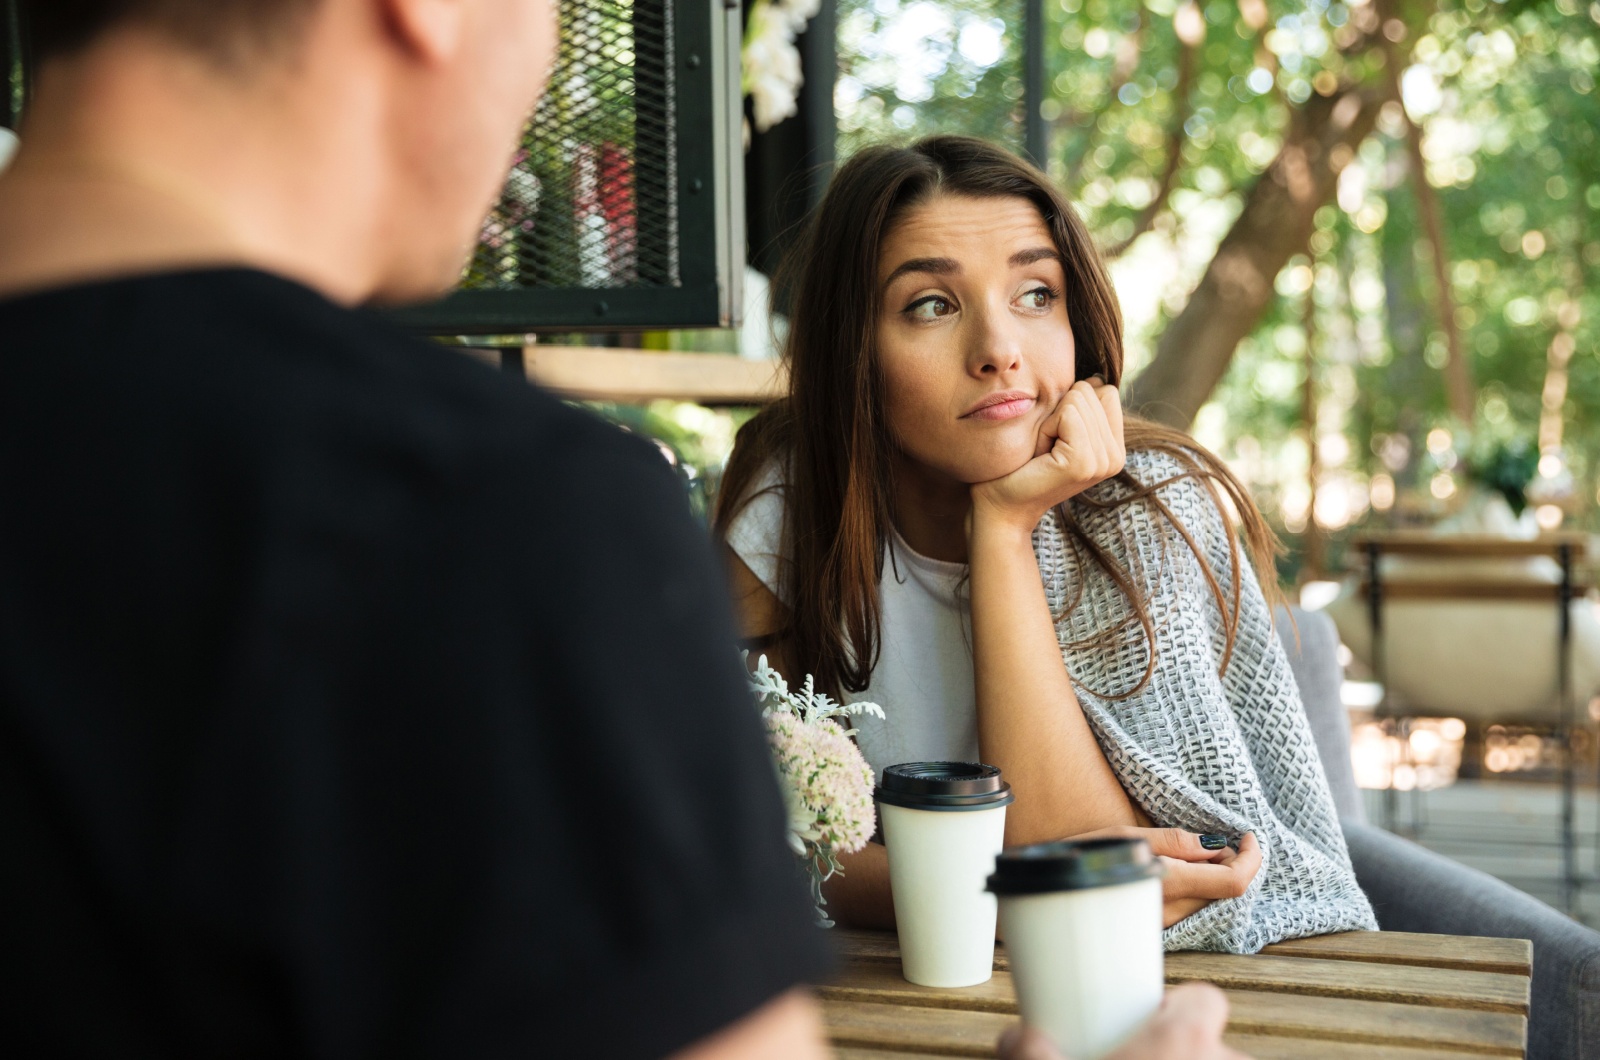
column 590, row 199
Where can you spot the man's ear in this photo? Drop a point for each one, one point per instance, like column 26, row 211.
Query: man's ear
column 429, row 29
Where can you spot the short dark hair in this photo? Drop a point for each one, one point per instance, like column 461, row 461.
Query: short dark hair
column 223, row 29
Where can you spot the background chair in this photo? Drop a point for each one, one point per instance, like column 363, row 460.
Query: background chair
column 1519, row 607
column 1413, row 889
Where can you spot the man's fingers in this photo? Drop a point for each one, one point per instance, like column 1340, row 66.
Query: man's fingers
column 1026, row 1043
column 1196, row 1004
column 1188, row 1025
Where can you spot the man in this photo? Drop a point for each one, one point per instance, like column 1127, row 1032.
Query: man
column 354, row 700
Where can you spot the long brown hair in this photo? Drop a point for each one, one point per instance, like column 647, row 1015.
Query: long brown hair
column 830, row 436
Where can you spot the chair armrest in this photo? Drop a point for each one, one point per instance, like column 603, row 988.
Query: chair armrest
column 1413, row 889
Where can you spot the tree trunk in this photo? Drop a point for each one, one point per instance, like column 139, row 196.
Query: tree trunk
column 1194, row 350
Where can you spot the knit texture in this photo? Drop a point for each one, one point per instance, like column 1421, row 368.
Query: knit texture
column 1199, row 747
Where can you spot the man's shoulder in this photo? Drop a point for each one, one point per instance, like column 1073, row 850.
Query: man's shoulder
column 274, row 372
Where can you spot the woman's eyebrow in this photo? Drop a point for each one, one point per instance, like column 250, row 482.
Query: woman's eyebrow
column 937, row 266
column 1033, row 254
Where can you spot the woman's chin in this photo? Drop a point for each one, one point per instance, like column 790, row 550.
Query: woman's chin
column 996, row 465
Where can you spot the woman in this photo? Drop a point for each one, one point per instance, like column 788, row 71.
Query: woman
column 949, row 515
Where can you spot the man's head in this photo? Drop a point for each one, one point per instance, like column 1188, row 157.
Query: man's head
column 394, row 120
column 224, row 29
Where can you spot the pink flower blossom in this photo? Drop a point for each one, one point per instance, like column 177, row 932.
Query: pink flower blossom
column 831, row 783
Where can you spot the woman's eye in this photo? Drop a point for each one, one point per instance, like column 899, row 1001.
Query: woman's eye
column 930, row 308
column 1039, row 298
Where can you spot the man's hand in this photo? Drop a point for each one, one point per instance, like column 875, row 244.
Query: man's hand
column 1080, row 445
column 1195, row 877
column 1188, row 1026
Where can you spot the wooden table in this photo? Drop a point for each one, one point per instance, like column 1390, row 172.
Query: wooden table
column 1373, row 995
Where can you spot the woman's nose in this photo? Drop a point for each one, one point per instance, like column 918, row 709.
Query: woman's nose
column 995, row 347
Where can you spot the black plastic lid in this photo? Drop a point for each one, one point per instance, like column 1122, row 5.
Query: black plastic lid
column 943, row 786
column 1073, row 865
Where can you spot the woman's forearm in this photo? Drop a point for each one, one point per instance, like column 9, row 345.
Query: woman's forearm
column 859, row 896
column 1029, row 720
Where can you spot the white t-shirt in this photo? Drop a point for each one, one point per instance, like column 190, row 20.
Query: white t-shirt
column 923, row 680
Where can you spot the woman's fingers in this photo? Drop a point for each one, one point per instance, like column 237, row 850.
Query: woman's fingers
column 1172, row 842
column 1085, row 435
column 1050, row 429
column 1228, row 878
column 1111, row 403
column 1097, row 443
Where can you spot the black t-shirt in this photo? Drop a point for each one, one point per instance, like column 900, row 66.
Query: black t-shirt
column 357, row 700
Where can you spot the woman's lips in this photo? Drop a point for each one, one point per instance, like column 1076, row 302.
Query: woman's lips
column 1007, row 405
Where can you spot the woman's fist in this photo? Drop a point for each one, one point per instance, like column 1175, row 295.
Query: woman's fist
column 1080, row 445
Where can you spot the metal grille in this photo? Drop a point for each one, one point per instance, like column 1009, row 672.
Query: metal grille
column 590, row 201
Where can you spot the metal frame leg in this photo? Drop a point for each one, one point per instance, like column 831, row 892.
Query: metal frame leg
column 1569, row 838
column 1380, row 670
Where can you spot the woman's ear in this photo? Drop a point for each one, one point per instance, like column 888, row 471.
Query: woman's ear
column 430, row 30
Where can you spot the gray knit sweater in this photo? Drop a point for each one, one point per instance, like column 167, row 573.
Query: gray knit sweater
column 1199, row 749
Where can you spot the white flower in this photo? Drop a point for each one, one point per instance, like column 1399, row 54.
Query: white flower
column 800, row 12
column 827, row 784
column 772, row 76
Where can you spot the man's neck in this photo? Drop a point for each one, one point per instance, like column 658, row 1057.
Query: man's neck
column 154, row 161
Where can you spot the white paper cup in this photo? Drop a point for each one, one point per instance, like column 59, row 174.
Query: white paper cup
column 1082, row 925
column 943, row 825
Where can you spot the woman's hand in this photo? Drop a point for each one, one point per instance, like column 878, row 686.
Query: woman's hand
column 1195, row 876
column 1080, row 445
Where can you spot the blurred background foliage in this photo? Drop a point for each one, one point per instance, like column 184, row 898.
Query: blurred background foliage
column 1360, row 392
column 1164, row 115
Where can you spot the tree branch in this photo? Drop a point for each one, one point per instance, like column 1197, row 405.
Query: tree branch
column 1458, row 384
column 1190, row 42
column 1122, row 71
column 1194, row 350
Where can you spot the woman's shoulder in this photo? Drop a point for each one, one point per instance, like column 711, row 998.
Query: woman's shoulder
column 1161, row 487
column 1159, row 467
column 755, row 531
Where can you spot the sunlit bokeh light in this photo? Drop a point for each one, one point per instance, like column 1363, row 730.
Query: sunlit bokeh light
column 1549, row 516
column 1428, row 757
column 1382, row 490
column 1442, row 485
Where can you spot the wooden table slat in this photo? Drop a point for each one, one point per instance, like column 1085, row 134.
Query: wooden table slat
column 1360, row 994
column 1315, row 1024
column 1258, row 1047
column 942, row 1032
column 874, row 965
column 1469, row 953
column 1441, row 987
column 1252, row 1045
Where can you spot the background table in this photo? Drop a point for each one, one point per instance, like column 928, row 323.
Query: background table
column 1368, row 994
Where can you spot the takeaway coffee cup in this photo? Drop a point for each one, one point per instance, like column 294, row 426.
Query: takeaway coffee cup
column 943, row 824
column 1082, row 924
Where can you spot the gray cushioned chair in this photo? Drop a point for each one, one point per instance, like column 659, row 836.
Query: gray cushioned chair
column 1413, row 889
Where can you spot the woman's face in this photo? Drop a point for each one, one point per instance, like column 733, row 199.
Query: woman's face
column 973, row 336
